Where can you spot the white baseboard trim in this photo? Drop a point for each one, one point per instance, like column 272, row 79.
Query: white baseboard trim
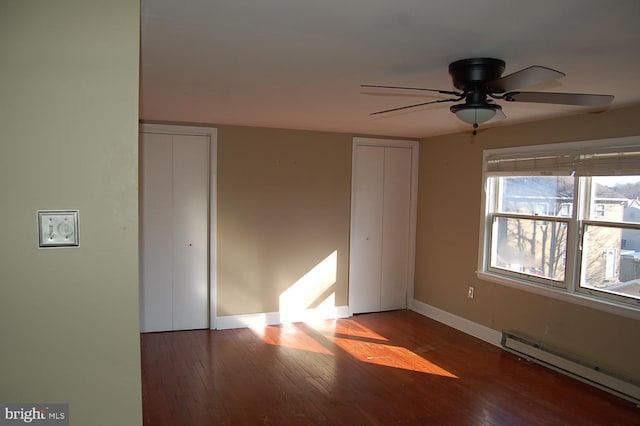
column 469, row 327
column 275, row 318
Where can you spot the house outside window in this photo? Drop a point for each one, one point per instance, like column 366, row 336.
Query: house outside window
column 565, row 219
column 566, row 209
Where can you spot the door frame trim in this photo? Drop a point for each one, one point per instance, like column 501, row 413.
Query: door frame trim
column 413, row 214
column 212, row 134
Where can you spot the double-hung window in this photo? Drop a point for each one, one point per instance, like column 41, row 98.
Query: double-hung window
column 564, row 220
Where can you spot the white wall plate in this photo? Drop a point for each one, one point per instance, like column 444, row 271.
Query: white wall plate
column 58, row 228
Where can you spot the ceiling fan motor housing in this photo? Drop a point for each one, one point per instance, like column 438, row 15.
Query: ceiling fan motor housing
column 469, row 73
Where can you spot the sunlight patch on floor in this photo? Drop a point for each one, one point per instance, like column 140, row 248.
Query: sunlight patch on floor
column 289, row 336
column 390, row 356
column 347, row 328
column 360, row 342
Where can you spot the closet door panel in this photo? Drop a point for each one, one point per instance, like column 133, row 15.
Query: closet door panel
column 190, row 231
column 155, row 233
column 395, row 228
column 366, row 242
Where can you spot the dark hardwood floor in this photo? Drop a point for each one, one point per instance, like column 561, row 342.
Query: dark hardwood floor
column 391, row 368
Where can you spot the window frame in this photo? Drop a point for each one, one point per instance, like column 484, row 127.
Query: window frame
column 541, row 280
column 570, row 289
column 594, row 291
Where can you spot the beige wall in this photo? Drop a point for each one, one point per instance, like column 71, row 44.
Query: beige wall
column 283, row 207
column 447, row 245
column 68, row 114
column 69, row 317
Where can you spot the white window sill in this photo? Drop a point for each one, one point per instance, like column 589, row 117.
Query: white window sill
column 576, row 298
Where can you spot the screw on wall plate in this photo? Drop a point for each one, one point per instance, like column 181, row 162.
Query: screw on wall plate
column 470, row 292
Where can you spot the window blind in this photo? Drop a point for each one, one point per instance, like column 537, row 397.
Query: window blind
column 543, row 163
column 605, row 163
column 589, row 161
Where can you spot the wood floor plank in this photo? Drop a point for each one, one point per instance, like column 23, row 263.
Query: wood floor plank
column 390, row 368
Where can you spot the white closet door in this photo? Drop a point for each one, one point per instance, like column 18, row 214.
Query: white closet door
column 156, row 305
column 381, row 222
column 366, row 233
column 174, row 232
column 395, row 228
column 190, row 231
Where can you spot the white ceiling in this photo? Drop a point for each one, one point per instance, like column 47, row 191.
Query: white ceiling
column 298, row 64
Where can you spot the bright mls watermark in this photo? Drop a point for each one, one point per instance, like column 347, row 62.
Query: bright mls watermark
column 34, row 414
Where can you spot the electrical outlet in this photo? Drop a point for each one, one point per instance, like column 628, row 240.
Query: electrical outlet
column 470, row 292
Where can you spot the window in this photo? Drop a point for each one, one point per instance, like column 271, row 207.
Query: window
column 565, row 219
column 566, row 209
column 520, row 241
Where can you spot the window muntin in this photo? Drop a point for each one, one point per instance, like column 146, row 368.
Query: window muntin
column 559, row 188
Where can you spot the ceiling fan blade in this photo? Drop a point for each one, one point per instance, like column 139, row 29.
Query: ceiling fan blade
column 500, row 115
column 530, row 76
column 580, row 99
column 415, row 105
column 445, row 92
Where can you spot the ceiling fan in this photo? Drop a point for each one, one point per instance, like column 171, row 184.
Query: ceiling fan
column 479, row 81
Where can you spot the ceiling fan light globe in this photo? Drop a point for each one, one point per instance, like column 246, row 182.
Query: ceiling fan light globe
column 475, row 115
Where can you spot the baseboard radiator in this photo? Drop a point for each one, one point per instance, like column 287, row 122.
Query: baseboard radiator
column 589, row 374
